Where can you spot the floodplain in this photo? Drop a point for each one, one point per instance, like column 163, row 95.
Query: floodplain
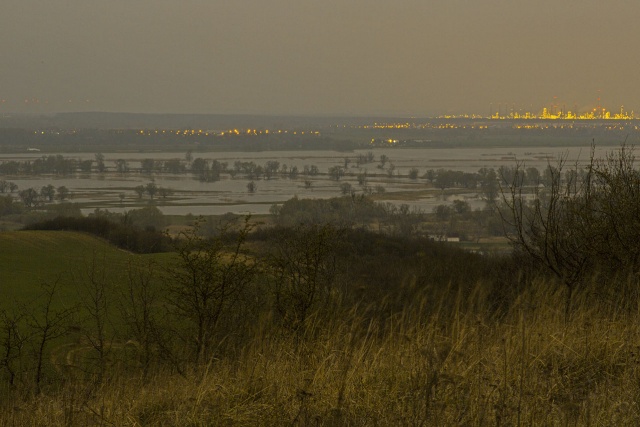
column 388, row 180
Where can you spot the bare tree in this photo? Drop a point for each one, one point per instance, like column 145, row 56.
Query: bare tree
column 151, row 189
column 303, row 272
column 139, row 307
column 362, row 178
column 47, row 323
column 336, row 172
column 345, row 188
column 206, row 283
column 30, row 197
column 539, row 226
column 100, row 166
column 614, row 204
column 140, row 190
column 48, row 192
column 63, row 193
column 12, row 344
column 122, row 166
column 95, row 299
column 584, row 219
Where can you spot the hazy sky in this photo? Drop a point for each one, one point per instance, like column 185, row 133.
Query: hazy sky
column 310, row 57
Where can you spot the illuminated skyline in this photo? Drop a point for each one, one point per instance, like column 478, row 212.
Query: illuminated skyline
column 284, row 57
column 501, row 111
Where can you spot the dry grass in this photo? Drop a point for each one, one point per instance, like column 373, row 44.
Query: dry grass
column 421, row 367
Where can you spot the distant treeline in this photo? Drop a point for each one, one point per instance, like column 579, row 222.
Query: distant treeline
column 12, row 140
column 202, row 169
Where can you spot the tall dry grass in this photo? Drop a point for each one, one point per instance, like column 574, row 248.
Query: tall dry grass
column 438, row 362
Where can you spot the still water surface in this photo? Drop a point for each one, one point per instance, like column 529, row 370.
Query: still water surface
column 231, row 194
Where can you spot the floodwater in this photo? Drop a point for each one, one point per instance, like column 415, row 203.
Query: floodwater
column 115, row 192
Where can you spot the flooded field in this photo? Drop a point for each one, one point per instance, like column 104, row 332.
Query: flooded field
column 116, row 191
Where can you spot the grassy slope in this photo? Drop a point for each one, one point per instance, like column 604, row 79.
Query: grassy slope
column 438, row 362
column 31, row 258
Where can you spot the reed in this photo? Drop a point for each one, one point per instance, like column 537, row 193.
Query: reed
column 446, row 362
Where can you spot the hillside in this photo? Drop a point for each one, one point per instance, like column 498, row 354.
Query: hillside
column 31, row 258
column 328, row 327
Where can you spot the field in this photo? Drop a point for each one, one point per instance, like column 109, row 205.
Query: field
column 29, row 259
column 438, row 346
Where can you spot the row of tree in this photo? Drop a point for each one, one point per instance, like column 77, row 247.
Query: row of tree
column 53, row 164
column 48, row 193
column 7, row 186
column 151, row 189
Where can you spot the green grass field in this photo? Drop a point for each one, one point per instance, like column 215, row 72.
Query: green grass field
column 29, row 259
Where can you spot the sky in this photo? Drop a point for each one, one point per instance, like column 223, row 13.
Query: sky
column 311, row 57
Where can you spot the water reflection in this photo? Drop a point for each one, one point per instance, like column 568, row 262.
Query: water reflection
column 231, row 194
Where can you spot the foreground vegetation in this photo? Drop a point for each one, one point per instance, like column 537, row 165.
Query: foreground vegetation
column 429, row 364
column 401, row 332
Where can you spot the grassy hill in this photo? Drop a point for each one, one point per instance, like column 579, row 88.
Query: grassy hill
column 441, row 340
column 31, row 258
